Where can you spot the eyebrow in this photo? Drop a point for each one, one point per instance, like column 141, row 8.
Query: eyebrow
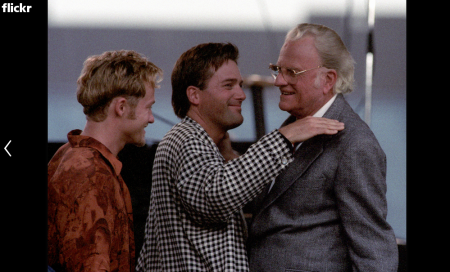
column 292, row 68
column 233, row 81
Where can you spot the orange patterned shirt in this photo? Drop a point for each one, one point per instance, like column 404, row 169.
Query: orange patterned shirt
column 90, row 220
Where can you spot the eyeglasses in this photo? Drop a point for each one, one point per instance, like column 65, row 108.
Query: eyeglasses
column 290, row 75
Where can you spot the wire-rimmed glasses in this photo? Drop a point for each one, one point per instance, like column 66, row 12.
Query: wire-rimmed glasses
column 289, row 75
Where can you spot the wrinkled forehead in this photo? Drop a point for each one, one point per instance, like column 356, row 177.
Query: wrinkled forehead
column 299, row 52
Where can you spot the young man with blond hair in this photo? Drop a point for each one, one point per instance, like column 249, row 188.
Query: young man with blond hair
column 90, row 220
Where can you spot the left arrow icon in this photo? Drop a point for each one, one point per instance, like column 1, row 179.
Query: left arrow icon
column 7, row 149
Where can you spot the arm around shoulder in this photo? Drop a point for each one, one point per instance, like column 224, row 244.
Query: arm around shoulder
column 212, row 190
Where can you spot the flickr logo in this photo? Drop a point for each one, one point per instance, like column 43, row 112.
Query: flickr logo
column 10, row 7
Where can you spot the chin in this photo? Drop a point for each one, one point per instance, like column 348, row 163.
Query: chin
column 140, row 144
column 284, row 107
column 237, row 122
column 235, row 125
column 240, row 120
column 139, row 141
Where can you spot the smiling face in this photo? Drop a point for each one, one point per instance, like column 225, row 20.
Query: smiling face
column 306, row 96
column 139, row 118
column 220, row 102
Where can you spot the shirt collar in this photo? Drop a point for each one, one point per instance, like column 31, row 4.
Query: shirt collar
column 202, row 132
column 325, row 107
column 319, row 113
column 77, row 140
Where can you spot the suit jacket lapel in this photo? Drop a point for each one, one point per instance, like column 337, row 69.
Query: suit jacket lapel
column 307, row 153
column 304, row 157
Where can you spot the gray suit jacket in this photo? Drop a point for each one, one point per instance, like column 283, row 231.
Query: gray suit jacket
column 327, row 210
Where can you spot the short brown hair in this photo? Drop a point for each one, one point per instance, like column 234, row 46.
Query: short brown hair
column 112, row 74
column 195, row 67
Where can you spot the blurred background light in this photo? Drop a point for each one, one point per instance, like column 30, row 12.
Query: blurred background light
column 207, row 14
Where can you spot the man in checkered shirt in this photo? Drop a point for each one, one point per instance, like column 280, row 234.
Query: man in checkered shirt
column 200, row 185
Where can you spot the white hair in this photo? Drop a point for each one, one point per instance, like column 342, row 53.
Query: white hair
column 332, row 52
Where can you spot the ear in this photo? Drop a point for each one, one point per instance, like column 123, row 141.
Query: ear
column 193, row 95
column 120, row 105
column 330, row 80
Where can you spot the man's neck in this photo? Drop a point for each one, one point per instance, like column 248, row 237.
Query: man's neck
column 325, row 107
column 320, row 111
column 213, row 131
column 105, row 134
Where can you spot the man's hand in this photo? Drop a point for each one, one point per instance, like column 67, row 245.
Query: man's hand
column 308, row 127
column 225, row 148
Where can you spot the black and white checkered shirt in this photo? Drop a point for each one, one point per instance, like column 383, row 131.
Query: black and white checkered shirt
column 195, row 221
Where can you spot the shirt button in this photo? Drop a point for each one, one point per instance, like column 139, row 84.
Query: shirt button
column 284, row 160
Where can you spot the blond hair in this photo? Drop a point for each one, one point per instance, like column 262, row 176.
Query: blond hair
column 112, row 74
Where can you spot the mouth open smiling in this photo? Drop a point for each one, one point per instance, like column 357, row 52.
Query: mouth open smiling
column 287, row 93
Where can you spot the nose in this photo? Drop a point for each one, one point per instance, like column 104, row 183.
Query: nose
column 240, row 94
column 280, row 81
column 151, row 118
